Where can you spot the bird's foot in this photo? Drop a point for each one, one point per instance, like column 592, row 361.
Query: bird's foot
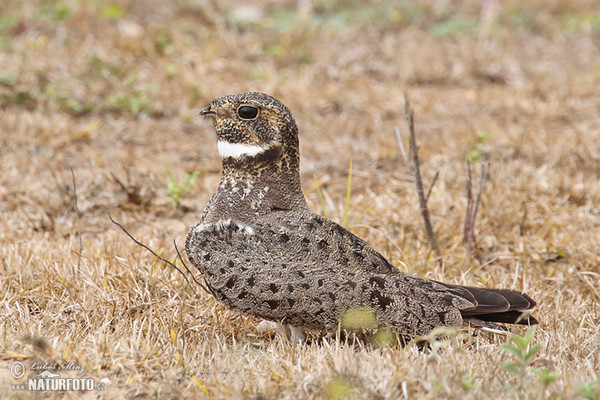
column 292, row 333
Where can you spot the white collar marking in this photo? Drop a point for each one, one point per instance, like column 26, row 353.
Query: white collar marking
column 237, row 150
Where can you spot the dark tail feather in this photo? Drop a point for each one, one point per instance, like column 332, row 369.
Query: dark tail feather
column 517, row 300
column 496, row 305
column 509, row 317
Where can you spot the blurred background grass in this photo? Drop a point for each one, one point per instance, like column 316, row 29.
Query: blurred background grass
column 99, row 102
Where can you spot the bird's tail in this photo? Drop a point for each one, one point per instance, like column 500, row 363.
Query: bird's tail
column 495, row 305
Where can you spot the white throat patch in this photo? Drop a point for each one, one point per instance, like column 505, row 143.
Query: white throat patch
column 237, row 150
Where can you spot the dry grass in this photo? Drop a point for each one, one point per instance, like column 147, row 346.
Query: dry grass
column 111, row 91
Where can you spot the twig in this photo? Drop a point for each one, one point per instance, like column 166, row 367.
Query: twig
column 469, row 209
column 403, row 150
column 473, row 216
column 437, row 174
column 187, row 269
column 78, row 223
column 163, row 259
column 419, row 183
column 347, row 207
column 523, row 223
column 478, row 199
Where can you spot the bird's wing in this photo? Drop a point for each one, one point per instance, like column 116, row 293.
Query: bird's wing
column 307, row 270
column 249, row 268
column 307, row 236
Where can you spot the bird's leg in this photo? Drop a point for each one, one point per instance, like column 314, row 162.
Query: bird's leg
column 296, row 334
column 292, row 333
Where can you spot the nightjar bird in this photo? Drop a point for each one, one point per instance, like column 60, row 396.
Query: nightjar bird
column 262, row 251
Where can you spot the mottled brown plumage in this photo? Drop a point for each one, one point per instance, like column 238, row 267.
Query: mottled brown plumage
column 262, row 251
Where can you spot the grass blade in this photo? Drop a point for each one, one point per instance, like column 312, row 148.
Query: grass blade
column 347, row 208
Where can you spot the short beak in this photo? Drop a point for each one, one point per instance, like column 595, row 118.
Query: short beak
column 205, row 112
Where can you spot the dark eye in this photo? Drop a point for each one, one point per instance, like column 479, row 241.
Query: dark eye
column 247, row 112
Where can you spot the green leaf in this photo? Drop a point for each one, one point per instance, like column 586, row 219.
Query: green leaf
column 455, row 25
column 530, row 333
column 339, row 388
column 512, row 367
column 384, row 338
column 113, row 11
column 521, row 341
column 545, row 376
column 62, row 12
column 532, row 352
column 468, row 381
column 276, row 50
column 170, row 69
column 8, row 80
column 473, row 156
column 358, row 318
column 588, row 390
column 515, row 351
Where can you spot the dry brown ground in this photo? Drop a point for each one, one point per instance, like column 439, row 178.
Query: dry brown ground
column 97, row 92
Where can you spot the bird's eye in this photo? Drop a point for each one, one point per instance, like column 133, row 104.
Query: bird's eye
column 247, row 112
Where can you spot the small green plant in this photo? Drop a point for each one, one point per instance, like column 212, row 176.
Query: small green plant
column 439, row 338
column 437, row 385
column 162, row 42
column 478, row 147
column 469, row 381
column 384, row 337
column 339, row 388
column 358, row 318
column 321, row 199
column 545, row 376
column 589, row 390
column 455, row 25
column 21, row 98
column 113, row 11
column 176, row 188
column 7, row 22
column 170, row 69
column 579, row 21
column 101, row 69
column 134, row 103
column 8, row 80
column 64, row 100
column 522, row 350
column 524, row 353
column 55, row 12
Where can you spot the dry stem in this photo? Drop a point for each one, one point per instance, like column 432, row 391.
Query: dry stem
column 165, row 260
column 471, row 215
column 415, row 168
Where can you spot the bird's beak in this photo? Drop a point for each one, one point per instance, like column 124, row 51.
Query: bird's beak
column 207, row 111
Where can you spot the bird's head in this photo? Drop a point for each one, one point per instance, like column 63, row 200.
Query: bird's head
column 254, row 128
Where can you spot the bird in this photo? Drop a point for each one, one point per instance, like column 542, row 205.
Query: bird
column 262, row 251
